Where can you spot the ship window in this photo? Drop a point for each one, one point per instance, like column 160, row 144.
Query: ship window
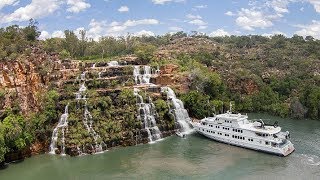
column 267, row 143
column 244, row 138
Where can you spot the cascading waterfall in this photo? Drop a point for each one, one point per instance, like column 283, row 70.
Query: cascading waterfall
column 93, row 65
column 63, row 125
column 158, row 70
column 147, row 113
column 113, row 63
column 142, row 78
column 87, row 116
column 83, row 76
column 180, row 113
column 81, row 93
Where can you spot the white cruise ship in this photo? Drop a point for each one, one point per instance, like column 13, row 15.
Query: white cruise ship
column 236, row 129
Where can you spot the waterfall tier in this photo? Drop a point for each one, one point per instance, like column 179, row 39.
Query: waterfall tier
column 147, row 114
column 142, row 78
column 63, row 125
column 180, row 113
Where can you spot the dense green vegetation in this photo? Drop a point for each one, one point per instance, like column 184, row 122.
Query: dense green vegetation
column 277, row 75
column 15, row 41
column 17, row 132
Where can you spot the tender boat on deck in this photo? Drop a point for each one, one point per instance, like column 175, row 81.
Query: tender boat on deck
column 236, row 129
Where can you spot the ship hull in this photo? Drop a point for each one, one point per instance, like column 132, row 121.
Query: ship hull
column 273, row 151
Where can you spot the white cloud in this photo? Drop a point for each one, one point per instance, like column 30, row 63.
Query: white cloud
column 77, row 31
column 58, row 34
column 312, row 29
column 191, row 16
column 144, row 33
column 141, row 22
column 249, row 19
column 76, row 6
column 4, row 3
column 229, row 13
column 198, row 22
column 55, row 34
column 262, row 14
column 166, row 1
column 219, row 32
column 102, row 28
column 123, row 9
column 316, row 4
column 202, row 27
column 274, row 33
column 97, row 29
column 201, row 6
column 44, row 35
column 175, row 29
column 279, row 6
column 36, row 9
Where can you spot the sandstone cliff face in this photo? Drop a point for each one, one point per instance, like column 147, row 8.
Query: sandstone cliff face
column 22, row 80
column 170, row 76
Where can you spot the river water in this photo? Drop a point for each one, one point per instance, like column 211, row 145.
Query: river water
column 194, row 157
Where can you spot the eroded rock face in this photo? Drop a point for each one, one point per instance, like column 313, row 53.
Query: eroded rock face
column 244, row 86
column 170, row 76
column 169, row 69
column 23, row 80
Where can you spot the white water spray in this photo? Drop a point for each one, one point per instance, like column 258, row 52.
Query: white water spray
column 113, row 63
column 142, row 78
column 147, row 113
column 180, row 113
column 62, row 124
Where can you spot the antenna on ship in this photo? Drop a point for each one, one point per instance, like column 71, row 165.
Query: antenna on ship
column 230, row 110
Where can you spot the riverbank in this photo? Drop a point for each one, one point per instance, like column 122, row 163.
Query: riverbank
column 188, row 158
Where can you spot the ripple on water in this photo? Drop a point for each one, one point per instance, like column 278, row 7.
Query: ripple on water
column 311, row 160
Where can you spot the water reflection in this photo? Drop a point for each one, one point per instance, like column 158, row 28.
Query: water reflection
column 194, row 157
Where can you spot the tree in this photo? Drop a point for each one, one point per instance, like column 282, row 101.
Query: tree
column 145, row 51
column 31, row 31
column 15, row 132
column 3, row 147
column 197, row 103
column 71, row 42
column 83, row 42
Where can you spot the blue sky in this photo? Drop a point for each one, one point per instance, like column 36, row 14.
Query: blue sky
column 154, row 17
